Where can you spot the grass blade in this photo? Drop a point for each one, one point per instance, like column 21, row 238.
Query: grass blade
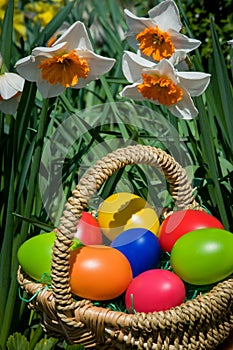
column 7, row 30
column 224, row 86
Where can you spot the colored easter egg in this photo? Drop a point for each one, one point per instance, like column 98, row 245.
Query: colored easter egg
column 99, row 272
column 141, row 247
column 203, row 256
column 35, row 255
column 182, row 222
column 124, row 210
column 154, row 290
column 88, row 230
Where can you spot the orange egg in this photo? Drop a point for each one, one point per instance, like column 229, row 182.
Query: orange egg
column 122, row 211
column 99, row 272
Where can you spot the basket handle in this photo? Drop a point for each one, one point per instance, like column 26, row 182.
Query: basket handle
column 180, row 189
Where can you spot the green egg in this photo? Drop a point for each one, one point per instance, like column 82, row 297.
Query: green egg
column 203, row 256
column 35, row 255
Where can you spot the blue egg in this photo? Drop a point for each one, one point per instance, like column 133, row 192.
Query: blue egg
column 141, row 247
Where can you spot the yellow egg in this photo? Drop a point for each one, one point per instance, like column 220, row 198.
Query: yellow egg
column 124, row 210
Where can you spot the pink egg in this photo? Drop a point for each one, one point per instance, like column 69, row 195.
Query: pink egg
column 155, row 290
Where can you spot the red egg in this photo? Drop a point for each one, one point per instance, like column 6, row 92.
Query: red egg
column 182, row 222
column 155, row 290
column 88, row 230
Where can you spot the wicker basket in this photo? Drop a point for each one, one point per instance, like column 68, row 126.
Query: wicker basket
column 200, row 323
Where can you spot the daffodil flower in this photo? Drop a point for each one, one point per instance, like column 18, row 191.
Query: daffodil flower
column 162, row 84
column 69, row 62
column 158, row 36
column 11, row 87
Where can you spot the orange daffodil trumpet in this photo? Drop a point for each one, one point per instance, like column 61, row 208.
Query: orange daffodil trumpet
column 158, row 36
column 162, row 84
column 69, row 62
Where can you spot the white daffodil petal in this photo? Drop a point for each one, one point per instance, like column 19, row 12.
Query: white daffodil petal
column 76, row 37
column 136, row 24
column 178, row 57
column 49, row 51
column 15, row 80
column 6, row 90
column 195, row 82
column 163, row 68
column 10, row 85
column 131, row 39
column 98, row 64
column 131, row 91
column 48, row 90
column 10, row 106
column 83, row 82
column 166, row 15
column 182, row 42
column 185, row 108
column 230, row 42
column 132, row 65
column 27, row 68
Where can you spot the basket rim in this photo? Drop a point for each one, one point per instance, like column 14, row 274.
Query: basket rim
column 215, row 301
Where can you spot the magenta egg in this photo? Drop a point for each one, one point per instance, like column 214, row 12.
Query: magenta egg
column 154, row 290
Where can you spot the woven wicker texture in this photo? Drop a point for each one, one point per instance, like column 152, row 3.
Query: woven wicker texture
column 201, row 323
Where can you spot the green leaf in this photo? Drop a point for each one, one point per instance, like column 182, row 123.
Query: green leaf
column 46, row 344
column 35, row 222
column 23, row 116
column 75, row 347
column 17, row 341
column 7, row 29
column 224, row 84
column 210, row 158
